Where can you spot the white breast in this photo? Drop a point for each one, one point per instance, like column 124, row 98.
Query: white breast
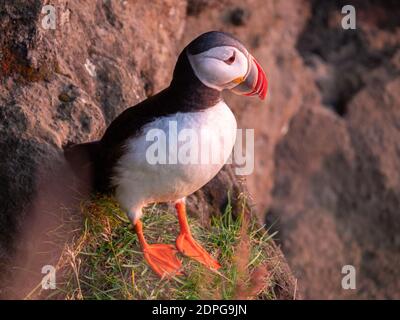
column 178, row 172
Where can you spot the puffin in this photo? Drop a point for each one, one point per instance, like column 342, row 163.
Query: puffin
column 136, row 158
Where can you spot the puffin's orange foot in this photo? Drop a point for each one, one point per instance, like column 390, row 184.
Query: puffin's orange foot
column 189, row 247
column 162, row 259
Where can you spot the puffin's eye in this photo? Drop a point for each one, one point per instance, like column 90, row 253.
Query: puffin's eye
column 231, row 59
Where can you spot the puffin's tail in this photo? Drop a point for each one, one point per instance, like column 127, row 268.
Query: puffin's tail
column 82, row 159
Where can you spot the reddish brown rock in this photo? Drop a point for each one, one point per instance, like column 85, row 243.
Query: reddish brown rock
column 336, row 193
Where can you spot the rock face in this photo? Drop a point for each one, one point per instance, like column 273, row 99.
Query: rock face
column 326, row 142
column 66, row 85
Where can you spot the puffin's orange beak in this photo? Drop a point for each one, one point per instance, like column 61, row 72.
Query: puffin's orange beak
column 254, row 83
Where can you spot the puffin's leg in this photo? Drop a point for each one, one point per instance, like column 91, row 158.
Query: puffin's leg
column 160, row 257
column 185, row 242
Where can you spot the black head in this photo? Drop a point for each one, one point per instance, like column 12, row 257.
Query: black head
column 213, row 39
column 215, row 61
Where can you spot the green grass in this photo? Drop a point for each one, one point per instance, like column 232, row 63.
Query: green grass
column 106, row 261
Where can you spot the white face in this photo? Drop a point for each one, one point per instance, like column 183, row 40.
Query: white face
column 220, row 67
